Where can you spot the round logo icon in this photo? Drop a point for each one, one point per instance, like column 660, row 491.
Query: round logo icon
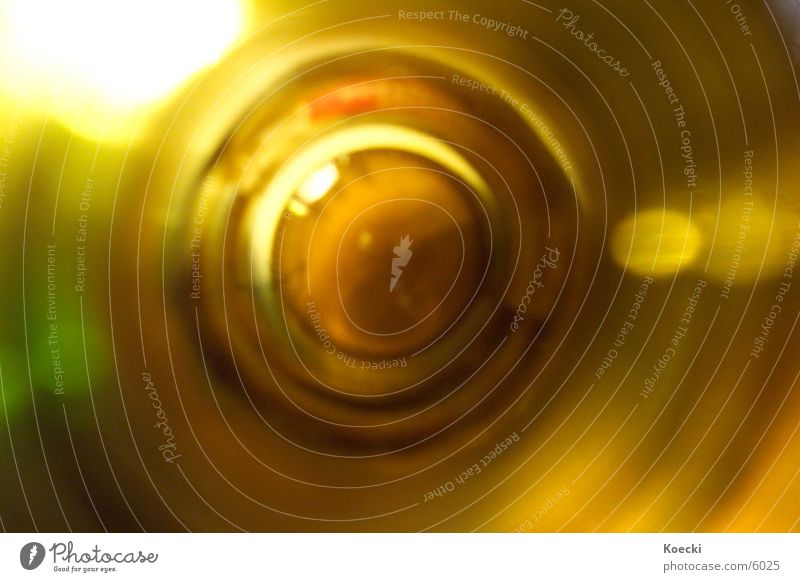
column 31, row 555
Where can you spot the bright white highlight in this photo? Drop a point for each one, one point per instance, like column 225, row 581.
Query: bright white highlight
column 97, row 59
column 318, row 183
